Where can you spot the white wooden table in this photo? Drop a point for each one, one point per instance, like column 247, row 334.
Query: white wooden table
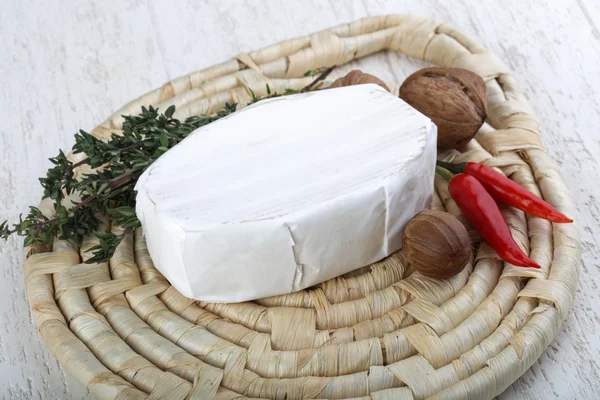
column 67, row 65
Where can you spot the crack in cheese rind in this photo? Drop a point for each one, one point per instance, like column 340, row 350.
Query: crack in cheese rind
column 287, row 193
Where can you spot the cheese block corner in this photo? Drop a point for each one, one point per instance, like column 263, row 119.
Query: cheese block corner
column 287, row 193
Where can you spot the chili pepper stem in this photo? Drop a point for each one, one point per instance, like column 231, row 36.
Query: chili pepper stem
column 444, row 173
column 454, row 168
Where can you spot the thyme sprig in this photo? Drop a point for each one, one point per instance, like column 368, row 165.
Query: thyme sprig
column 108, row 189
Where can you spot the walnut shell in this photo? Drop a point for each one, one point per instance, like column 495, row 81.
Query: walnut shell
column 454, row 98
column 436, row 244
column 358, row 77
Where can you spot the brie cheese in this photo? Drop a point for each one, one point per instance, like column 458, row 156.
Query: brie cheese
column 287, row 193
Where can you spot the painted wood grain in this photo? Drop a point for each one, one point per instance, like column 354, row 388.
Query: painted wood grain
column 67, row 67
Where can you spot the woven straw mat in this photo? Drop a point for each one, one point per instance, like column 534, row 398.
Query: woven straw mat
column 382, row 332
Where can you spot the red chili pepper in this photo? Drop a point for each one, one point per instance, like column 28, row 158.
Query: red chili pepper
column 506, row 191
column 483, row 213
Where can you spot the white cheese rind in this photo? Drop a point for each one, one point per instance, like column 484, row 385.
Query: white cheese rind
column 287, row 193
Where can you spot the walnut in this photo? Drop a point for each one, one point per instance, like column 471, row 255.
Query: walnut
column 455, row 99
column 358, row 77
column 436, row 244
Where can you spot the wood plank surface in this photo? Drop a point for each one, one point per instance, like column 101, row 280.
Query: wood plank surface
column 67, row 65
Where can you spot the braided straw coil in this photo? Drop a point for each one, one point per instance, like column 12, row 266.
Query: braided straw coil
column 382, row 332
